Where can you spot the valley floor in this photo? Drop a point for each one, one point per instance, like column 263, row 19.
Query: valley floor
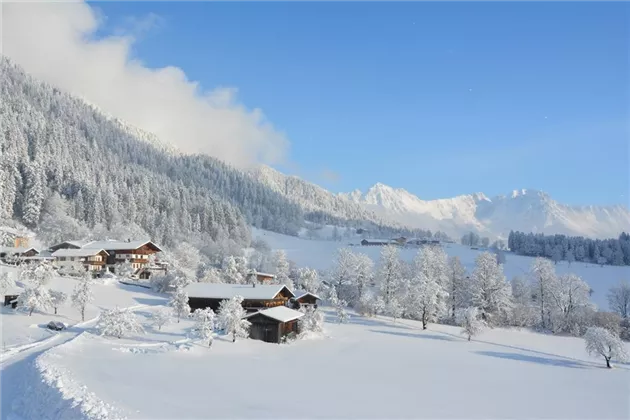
column 368, row 368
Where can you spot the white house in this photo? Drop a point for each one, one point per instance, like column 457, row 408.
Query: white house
column 90, row 259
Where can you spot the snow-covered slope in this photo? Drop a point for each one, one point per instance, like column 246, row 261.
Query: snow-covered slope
column 524, row 210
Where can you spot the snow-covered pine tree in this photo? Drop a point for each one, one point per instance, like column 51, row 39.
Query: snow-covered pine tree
column 490, row 291
column 468, row 319
column 162, row 316
column 601, row 342
column 230, row 317
column 82, row 295
column 118, row 323
column 312, row 322
column 231, row 272
column 6, row 282
column 179, row 303
column 204, row 324
column 34, row 298
column 57, row 299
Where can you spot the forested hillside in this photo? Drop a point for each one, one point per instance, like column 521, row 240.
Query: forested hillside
column 69, row 170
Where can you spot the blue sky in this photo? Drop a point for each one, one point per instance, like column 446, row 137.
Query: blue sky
column 438, row 98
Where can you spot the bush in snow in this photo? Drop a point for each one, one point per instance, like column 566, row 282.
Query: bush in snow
column 170, row 281
column 34, row 298
column 601, row 342
column 339, row 305
column 179, row 303
column 82, row 295
column 370, row 305
column 204, row 324
column 57, row 299
column 37, row 274
column 118, row 323
column 468, row 319
column 161, row 317
column 231, row 320
column 125, row 270
column 312, row 321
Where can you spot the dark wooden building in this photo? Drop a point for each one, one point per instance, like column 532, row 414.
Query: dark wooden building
column 255, row 297
column 273, row 324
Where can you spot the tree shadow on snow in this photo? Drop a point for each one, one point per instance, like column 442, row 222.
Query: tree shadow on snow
column 534, row 359
column 415, row 335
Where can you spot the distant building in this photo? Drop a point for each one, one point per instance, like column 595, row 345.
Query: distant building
column 304, row 299
column 379, row 242
column 16, row 255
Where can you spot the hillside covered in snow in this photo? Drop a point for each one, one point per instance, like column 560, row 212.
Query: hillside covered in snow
column 522, row 210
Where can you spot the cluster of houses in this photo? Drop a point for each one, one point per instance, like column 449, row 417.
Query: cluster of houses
column 401, row 241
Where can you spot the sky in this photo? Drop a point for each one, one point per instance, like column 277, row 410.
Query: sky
column 440, row 99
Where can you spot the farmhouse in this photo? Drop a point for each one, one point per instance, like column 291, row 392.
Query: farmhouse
column 255, row 297
column 379, row 242
column 304, row 299
column 272, row 324
column 91, row 259
column 14, row 255
column 138, row 253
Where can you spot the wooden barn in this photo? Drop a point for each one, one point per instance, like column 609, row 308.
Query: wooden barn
column 304, row 299
column 255, row 297
column 273, row 324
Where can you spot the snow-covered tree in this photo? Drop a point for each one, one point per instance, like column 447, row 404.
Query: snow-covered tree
column 118, row 323
column 179, row 303
column 609, row 320
column 458, row 286
column 125, row 270
column 38, row 274
column 490, row 291
column 312, row 321
column 6, row 282
column 390, row 274
column 468, row 319
column 34, row 298
column 210, row 275
column 281, row 267
column 363, row 275
column 523, row 312
column 425, row 299
column 186, row 258
column 568, row 296
column 544, row 275
column 370, row 305
column 82, row 295
column 308, row 279
column 339, row 305
column 601, row 342
column 619, row 299
column 57, row 299
column 230, row 317
column 204, row 324
column 343, row 272
column 162, row 316
column 231, row 273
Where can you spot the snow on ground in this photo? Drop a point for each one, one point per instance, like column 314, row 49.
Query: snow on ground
column 20, row 329
column 320, row 254
column 369, row 368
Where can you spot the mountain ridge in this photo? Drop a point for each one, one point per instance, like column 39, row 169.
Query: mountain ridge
column 528, row 210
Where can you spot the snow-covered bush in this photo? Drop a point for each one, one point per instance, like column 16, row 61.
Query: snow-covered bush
column 118, row 323
column 75, row 269
column 339, row 305
column 370, row 305
column 125, row 270
column 37, row 274
column 311, row 322
column 601, row 342
column 231, row 320
column 179, row 303
column 34, row 298
column 204, row 324
column 57, row 299
column 162, row 316
column 468, row 319
column 170, row 281
column 82, row 295
column 210, row 275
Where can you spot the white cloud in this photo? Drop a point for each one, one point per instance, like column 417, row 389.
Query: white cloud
column 55, row 42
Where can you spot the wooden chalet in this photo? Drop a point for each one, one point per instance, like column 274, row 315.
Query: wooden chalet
column 92, row 260
column 118, row 252
column 304, row 299
column 273, row 324
column 10, row 296
column 255, row 297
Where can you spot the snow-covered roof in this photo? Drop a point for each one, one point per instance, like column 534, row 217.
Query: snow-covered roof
column 12, row 291
column 81, row 252
column 118, row 245
column 228, row 291
column 301, row 293
column 258, row 273
column 279, row 313
column 16, row 250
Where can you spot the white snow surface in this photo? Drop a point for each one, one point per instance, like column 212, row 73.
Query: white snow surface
column 370, row 368
column 321, row 254
column 523, row 210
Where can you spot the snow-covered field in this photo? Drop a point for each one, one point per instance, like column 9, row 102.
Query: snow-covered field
column 368, row 368
column 320, row 254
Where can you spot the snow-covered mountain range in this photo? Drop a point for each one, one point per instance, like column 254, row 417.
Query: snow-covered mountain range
column 524, row 210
